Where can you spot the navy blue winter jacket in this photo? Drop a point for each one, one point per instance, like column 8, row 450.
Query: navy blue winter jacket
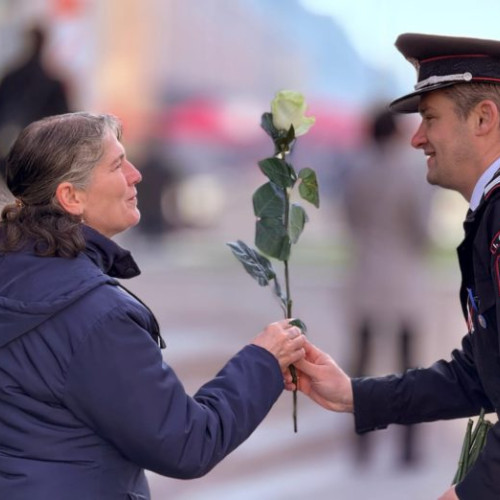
column 86, row 401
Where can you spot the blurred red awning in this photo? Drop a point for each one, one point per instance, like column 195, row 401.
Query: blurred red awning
column 204, row 119
column 67, row 8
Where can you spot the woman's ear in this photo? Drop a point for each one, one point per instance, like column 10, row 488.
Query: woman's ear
column 70, row 198
column 487, row 117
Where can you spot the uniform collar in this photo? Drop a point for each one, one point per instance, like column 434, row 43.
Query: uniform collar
column 481, row 184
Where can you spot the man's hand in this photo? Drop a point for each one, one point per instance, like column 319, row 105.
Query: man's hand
column 320, row 378
column 449, row 494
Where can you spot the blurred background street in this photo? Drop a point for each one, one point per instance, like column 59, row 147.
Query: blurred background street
column 209, row 307
column 190, row 79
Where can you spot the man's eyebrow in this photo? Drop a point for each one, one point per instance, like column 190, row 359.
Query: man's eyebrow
column 423, row 109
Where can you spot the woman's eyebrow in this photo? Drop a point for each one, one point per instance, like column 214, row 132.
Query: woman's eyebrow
column 118, row 159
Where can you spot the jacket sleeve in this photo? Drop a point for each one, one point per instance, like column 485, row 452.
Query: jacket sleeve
column 119, row 386
column 445, row 390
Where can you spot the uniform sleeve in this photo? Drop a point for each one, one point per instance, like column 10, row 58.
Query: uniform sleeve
column 118, row 385
column 445, row 390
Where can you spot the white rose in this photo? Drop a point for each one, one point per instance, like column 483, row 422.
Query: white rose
column 288, row 108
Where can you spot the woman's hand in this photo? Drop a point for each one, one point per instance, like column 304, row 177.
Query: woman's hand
column 284, row 341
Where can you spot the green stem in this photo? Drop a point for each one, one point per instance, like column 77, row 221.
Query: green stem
column 289, row 303
column 474, row 441
column 287, row 291
column 464, row 454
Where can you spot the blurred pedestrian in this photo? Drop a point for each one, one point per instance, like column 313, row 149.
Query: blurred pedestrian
column 161, row 177
column 28, row 92
column 86, row 401
column 458, row 98
column 387, row 206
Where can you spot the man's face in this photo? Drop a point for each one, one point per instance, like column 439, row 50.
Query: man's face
column 447, row 141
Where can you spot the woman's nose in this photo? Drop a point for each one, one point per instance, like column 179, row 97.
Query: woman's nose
column 133, row 174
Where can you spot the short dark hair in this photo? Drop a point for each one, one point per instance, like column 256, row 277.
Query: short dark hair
column 466, row 96
column 61, row 148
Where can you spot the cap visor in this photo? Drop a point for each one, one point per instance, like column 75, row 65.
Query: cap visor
column 410, row 102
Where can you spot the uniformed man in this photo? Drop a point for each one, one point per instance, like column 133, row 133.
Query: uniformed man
column 458, row 98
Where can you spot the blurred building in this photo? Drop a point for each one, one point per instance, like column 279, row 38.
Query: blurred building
column 131, row 56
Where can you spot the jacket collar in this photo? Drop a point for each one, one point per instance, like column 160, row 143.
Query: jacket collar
column 116, row 262
column 112, row 259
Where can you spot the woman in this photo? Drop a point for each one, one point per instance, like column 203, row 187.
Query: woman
column 86, row 402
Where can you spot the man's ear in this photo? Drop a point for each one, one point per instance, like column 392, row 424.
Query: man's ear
column 487, row 117
column 70, row 198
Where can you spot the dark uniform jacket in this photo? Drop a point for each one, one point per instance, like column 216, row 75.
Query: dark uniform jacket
column 469, row 381
column 86, row 401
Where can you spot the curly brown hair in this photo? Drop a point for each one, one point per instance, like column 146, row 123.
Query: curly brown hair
column 61, row 148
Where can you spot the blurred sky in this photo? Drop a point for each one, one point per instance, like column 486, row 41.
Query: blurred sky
column 373, row 25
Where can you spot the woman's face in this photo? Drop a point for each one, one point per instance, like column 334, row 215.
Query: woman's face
column 110, row 200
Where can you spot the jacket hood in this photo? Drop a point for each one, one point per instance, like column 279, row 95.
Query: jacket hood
column 33, row 288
